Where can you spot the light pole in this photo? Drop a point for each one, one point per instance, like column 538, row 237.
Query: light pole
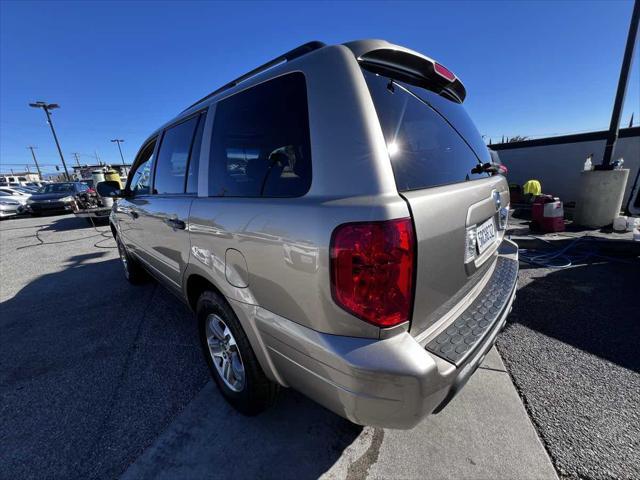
column 33, row 154
column 47, row 107
column 627, row 59
column 119, row 141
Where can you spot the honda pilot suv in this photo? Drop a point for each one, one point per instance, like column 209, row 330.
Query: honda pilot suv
column 331, row 220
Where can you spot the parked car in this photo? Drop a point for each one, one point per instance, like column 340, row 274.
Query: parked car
column 322, row 217
column 18, row 192
column 10, row 204
column 55, row 197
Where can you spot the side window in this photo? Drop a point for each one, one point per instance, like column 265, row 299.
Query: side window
column 194, row 159
column 141, row 177
column 260, row 144
column 173, row 156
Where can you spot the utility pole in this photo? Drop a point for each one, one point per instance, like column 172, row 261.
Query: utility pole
column 33, row 154
column 119, row 141
column 622, row 87
column 47, row 107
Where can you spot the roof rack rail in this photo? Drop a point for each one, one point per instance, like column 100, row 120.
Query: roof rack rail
column 290, row 55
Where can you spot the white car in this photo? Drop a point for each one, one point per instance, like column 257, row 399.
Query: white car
column 11, row 204
column 17, row 193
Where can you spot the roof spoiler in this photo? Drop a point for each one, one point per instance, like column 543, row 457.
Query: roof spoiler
column 285, row 57
column 406, row 65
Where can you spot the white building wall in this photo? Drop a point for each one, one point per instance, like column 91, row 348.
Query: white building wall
column 558, row 167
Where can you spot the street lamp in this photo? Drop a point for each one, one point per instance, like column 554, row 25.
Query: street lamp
column 119, row 141
column 47, row 107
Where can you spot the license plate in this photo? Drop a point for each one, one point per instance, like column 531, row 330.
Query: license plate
column 486, row 235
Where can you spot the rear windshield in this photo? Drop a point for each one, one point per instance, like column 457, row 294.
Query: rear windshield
column 431, row 140
column 58, row 188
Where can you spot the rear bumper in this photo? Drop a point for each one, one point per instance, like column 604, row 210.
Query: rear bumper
column 392, row 382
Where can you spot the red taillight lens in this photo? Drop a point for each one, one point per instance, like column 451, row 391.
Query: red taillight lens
column 372, row 270
column 444, row 72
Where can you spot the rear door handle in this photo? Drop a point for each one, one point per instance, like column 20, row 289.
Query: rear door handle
column 176, row 224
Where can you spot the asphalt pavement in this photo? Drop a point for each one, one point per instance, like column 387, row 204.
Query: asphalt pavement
column 100, row 379
column 571, row 346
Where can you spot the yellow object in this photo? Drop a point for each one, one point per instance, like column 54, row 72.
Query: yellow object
column 112, row 175
column 532, row 187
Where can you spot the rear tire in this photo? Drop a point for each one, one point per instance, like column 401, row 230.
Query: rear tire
column 231, row 360
column 133, row 271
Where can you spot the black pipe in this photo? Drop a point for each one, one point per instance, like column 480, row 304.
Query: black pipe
column 622, row 87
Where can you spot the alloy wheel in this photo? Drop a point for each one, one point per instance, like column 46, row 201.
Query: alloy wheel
column 224, row 353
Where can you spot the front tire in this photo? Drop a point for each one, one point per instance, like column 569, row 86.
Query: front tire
column 231, row 360
column 133, row 271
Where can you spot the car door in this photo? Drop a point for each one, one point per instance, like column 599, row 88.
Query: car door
column 166, row 215
column 130, row 208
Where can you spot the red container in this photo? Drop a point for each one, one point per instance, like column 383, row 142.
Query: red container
column 537, row 210
column 552, row 224
column 547, row 214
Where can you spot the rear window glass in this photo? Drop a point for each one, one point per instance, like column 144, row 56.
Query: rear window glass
column 424, row 148
column 260, row 144
column 459, row 119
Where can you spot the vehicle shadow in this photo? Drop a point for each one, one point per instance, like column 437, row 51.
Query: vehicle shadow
column 93, row 370
column 67, row 223
column 591, row 306
column 295, row 439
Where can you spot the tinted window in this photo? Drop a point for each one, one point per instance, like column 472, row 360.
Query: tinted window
column 458, row 117
column 173, row 157
column 194, row 161
column 425, row 150
column 260, row 143
column 141, row 177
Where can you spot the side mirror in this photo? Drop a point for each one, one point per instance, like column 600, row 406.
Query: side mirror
column 109, row 188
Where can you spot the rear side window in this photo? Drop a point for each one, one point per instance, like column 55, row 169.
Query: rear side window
column 425, row 150
column 173, row 157
column 260, row 144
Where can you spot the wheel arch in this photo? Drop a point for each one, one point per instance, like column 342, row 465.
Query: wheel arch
column 114, row 231
column 196, row 284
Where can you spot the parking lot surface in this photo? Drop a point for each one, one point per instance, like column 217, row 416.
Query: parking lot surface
column 571, row 345
column 99, row 379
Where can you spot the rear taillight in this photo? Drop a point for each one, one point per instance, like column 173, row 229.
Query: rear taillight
column 372, row 269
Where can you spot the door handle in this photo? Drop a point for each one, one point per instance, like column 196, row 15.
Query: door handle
column 176, row 224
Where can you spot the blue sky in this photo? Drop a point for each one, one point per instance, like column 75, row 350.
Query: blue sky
column 120, row 69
